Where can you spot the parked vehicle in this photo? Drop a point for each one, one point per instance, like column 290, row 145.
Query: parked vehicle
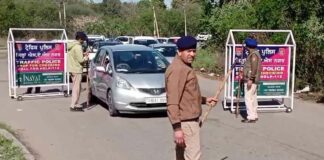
column 125, row 39
column 99, row 44
column 162, row 39
column 94, row 38
column 169, row 51
column 145, row 40
column 204, row 36
column 129, row 79
column 173, row 40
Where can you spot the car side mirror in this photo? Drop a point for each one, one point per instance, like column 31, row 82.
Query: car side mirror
column 100, row 68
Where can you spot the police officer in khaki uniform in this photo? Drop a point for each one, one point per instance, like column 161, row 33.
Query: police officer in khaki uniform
column 184, row 100
column 251, row 72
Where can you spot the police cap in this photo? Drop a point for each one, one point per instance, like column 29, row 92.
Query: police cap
column 252, row 43
column 186, row 42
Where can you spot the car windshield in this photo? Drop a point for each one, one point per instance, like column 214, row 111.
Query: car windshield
column 145, row 42
column 169, row 51
column 123, row 39
column 139, row 62
column 162, row 40
column 172, row 40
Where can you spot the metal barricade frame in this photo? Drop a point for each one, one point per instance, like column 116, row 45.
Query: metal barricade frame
column 277, row 101
column 12, row 67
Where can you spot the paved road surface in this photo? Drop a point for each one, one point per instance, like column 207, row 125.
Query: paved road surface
column 54, row 133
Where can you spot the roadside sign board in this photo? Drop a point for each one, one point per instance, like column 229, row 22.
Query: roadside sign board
column 38, row 63
column 275, row 68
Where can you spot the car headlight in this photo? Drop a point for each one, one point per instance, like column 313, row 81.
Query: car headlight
column 122, row 83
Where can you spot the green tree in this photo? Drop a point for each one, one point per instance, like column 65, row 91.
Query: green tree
column 111, row 7
column 11, row 15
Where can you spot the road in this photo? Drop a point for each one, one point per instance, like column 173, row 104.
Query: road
column 52, row 132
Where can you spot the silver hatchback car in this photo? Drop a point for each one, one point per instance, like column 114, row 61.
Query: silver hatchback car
column 129, row 79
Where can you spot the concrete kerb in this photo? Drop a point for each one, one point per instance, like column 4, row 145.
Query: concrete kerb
column 16, row 142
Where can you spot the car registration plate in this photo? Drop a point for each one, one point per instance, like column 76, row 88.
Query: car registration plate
column 151, row 100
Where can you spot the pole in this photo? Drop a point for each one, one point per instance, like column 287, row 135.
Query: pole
column 156, row 27
column 240, row 76
column 185, row 17
column 185, row 22
column 60, row 13
column 64, row 13
column 60, row 16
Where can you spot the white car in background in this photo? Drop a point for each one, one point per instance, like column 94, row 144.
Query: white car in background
column 145, row 40
column 125, row 39
column 203, row 36
column 163, row 40
column 173, row 40
column 93, row 38
column 169, row 51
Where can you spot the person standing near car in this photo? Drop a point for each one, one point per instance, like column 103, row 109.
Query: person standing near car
column 76, row 59
column 251, row 74
column 184, row 100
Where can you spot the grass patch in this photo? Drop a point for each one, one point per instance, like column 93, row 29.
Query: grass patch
column 311, row 96
column 210, row 60
column 9, row 151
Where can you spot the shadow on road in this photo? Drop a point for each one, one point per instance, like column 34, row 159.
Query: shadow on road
column 145, row 115
column 129, row 115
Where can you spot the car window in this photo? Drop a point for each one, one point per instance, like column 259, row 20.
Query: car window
column 172, row 40
column 145, row 42
column 139, row 62
column 162, row 40
column 100, row 57
column 95, row 46
column 167, row 51
column 123, row 39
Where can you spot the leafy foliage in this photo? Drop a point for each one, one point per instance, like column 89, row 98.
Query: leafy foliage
column 113, row 18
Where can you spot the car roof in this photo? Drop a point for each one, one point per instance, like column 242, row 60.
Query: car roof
column 128, row 47
column 107, row 42
column 144, row 38
column 95, row 36
column 124, row 36
column 174, row 37
column 163, row 45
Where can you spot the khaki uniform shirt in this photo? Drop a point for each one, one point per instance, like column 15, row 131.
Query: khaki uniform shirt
column 252, row 67
column 183, row 93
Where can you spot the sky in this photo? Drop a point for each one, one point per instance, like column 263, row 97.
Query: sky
column 167, row 2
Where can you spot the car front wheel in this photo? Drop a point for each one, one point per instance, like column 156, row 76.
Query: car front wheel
column 111, row 105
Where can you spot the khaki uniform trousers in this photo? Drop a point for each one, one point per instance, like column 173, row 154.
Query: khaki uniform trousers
column 192, row 150
column 76, row 88
column 251, row 101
